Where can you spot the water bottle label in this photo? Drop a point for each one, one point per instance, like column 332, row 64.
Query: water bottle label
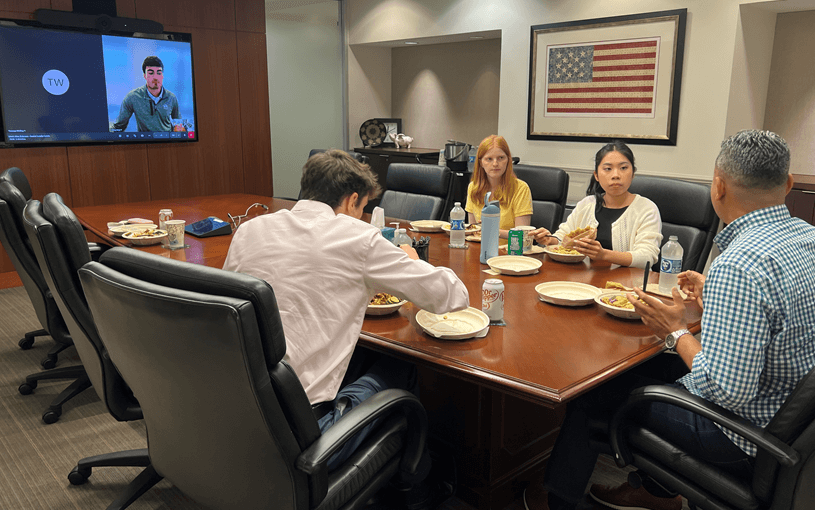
column 671, row 266
column 457, row 224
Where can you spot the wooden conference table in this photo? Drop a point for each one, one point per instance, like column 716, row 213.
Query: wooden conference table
column 495, row 402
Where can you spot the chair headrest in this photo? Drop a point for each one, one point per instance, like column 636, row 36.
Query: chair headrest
column 16, row 202
column 547, row 184
column 72, row 237
column 680, row 202
column 17, row 178
column 418, row 179
column 208, row 280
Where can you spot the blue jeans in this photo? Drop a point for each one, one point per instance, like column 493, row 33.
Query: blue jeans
column 573, row 458
column 384, row 374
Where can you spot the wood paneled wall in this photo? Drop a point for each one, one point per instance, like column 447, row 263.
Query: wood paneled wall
column 233, row 154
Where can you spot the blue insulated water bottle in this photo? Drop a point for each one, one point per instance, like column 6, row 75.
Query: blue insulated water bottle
column 490, row 229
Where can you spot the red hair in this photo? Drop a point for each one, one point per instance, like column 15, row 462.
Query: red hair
column 509, row 181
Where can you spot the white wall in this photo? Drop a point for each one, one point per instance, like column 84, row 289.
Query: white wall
column 714, row 54
column 305, row 86
column 447, row 91
column 790, row 105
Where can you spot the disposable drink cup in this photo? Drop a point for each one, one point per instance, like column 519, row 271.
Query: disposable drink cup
column 528, row 237
column 175, row 234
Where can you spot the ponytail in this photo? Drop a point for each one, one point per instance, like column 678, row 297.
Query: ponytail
column 594, row 188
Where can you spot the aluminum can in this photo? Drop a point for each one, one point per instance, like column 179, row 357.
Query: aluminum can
column 515, row 241
column 164, row 215
column 493, row 299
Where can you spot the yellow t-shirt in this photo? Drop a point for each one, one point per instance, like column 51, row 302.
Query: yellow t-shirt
column 520, row 205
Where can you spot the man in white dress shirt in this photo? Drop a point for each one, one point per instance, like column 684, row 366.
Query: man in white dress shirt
column 325, row 264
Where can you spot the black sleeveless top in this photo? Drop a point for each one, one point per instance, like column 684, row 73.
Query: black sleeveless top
column 606, row 217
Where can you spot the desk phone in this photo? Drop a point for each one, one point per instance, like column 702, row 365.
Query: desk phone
column 209, row 227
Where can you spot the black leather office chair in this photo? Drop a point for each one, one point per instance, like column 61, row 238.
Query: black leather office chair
column 17, row 246
column 686, row 212
column 61, row 249
column 783, row 472
column 415, row 191
column 228, row 420
column 59, row 245
column 549, row 187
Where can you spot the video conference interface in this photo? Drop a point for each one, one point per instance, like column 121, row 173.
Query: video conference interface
column 62, row 86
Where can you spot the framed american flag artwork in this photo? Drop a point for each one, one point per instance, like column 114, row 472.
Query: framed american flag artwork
column 598, row 79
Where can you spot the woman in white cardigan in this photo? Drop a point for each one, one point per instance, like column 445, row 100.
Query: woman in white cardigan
column 629, row 226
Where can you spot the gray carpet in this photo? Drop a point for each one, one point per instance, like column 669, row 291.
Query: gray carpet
column 35, row 458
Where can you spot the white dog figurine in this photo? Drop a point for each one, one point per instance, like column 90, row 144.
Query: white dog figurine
column 401, row 140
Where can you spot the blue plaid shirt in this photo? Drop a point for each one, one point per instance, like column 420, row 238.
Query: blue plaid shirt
column 758, row 322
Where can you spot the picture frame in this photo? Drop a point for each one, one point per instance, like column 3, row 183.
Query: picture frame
column 600, row 79
column 391, row 126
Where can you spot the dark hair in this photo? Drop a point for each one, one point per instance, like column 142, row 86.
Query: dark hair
column 331, row 176
column 152, row 61
column 755, row 159
column 594, row 187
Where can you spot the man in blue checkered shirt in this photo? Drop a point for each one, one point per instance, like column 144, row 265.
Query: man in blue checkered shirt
column 757, row 338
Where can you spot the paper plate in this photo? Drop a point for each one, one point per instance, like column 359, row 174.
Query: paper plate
column 568, row 258
column 515, row 265
column 143, row 240
column 604, row 298
column 567, row 293
column 373, row 132
column 120, row 230
column 429, row 225
column 461, row 325
column 384, row 309
column 534, row 250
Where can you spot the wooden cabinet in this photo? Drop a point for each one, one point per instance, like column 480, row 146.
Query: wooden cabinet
column 800, row 200
column 379, row 159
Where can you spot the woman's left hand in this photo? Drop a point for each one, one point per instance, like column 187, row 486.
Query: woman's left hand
column 591, row 249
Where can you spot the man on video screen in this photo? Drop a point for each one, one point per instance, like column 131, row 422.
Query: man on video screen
column 153, row 105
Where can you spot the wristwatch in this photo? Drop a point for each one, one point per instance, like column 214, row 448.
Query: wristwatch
column 673, row 337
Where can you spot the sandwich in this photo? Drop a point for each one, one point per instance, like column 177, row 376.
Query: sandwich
column 587, row 233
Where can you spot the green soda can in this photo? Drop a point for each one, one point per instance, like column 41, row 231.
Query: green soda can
column 515, row 241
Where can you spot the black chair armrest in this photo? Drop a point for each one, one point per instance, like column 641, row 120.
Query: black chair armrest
column 783, row 453
column 97, row 249
column 382, row 404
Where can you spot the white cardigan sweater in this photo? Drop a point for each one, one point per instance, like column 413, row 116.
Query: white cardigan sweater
column 637, row 231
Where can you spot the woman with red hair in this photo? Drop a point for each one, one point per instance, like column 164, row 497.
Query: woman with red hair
column 493, row 172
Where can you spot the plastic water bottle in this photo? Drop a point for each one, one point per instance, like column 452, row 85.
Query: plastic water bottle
column 490, row 230
column 400, row 237
column 671, row 264
column 457, row 230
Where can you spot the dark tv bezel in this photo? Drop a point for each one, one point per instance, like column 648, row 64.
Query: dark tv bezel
column 166, row 36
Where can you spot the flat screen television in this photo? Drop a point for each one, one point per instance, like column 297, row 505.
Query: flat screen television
column 65, row 87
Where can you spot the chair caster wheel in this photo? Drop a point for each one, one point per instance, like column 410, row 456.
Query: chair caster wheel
column 26, row 343
column 79, row 476
column 49, row 362
column 51, row 416
column 27, row 388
